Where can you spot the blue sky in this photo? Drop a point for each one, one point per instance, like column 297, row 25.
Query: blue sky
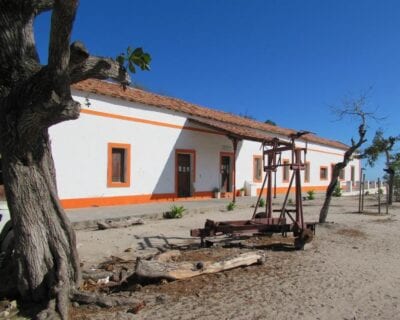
column 284, row 60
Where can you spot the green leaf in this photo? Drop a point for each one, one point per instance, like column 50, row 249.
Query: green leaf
column 131, row 67
column 138, row 52
column 121, row 59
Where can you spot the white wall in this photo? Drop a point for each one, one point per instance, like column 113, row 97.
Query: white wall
column 80, row 151
column 317, row 155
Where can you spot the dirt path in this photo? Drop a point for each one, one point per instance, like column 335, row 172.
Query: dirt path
column 350, row 271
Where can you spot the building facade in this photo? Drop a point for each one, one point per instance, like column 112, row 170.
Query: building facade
column 131, row 146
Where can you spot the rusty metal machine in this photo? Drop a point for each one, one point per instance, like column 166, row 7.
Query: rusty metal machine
column 264, row 222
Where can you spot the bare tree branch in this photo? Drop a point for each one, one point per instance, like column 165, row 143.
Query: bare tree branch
column 83, row 66
column 61, row 27
column 40, row 6
column 99, row 68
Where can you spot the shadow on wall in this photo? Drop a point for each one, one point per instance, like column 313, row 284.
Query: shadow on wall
column 191, row 166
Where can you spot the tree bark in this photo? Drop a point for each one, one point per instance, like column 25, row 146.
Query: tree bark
column 45, row 245
column 328, row 197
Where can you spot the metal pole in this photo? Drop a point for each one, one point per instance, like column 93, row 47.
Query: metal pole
column 360, row 191
column 234, row 141
column 362, row 195
column 387, row 198
column 259, row 197
column 268, row 205
column 379, row 196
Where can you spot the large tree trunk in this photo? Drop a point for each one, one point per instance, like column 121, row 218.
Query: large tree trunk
column 328, row 197
column 45, row 246
column 33, row 97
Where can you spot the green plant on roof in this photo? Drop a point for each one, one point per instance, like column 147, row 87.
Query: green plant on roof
column 176, row 212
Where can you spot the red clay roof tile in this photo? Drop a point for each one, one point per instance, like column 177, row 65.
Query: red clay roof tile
column 231, row 120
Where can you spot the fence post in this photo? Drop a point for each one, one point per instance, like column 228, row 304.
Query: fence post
column 379, row 196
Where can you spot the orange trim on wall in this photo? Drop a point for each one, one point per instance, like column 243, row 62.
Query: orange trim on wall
column 127, row 170
column 283, row 190
column 193, row 173
column 169, row 125
column 151, row 122
column 128, row 200
column 254, row 168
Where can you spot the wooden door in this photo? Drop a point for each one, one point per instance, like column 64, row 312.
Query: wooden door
column 184, row 174
column 226, row 174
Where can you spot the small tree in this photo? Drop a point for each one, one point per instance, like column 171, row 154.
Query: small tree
column 383, row 146
column 395, row 165
column 352, row 108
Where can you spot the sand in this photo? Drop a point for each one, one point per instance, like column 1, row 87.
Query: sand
column 350, row 271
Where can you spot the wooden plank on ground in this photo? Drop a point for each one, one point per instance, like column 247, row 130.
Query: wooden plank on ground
column 154, row 269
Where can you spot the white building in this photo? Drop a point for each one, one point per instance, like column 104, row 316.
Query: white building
column 131, row 146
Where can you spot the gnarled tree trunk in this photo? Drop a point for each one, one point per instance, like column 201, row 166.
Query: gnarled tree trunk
column 33, row 97
column 354, row 109
column 45, row 246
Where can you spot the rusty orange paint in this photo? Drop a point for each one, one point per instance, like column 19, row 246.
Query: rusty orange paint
column 127, row 200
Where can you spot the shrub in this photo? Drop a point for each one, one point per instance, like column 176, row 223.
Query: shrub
column 176, row 212
column 310, row 195
column 261, row 204
column 337, row 192
column 290, row 202
column 231, row 206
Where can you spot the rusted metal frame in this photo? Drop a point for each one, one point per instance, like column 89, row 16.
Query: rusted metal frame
column 287, row 196
column 268, row 224
column 278, row 164
column 276, row 141
column 259, row 197
column 243, row 228
column 299, row 199
column 235, row 143
column 268, row 205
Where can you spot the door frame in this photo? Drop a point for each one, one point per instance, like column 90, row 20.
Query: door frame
column 231, row 155
column 192, row 154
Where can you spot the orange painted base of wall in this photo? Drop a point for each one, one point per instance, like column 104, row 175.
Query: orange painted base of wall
column 126, row 200
column 283, row 190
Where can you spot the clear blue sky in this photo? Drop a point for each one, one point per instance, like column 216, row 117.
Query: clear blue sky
column 284, row 60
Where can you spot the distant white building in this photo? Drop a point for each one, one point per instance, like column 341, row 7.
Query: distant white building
column 131, row 146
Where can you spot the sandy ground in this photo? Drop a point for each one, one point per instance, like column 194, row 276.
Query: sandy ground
column 350, row 271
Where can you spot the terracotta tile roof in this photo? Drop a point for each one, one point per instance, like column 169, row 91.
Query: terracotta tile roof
column 248, row 127
column 234, row 131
